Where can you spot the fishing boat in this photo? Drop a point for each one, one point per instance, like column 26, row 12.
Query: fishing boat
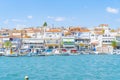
column 74, row 51
column 56, row 52
column 65, row 52
column 116, row 52
column 48, row 52
column 2, row 51
column 10, row 53
column 24, row 52
column 41, row 52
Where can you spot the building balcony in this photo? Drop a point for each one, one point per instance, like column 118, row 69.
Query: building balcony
column 110, row 37
column 86, row 43
column 52, row 44
column 69, row 45
column 106, row 42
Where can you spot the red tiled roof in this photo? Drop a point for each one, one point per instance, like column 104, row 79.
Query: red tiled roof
column 54, row 30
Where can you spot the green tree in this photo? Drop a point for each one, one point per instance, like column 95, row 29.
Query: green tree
column 45, row 24
column 114, row 44
column 7, row 44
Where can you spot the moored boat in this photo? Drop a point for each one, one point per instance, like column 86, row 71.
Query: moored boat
column 10, row 53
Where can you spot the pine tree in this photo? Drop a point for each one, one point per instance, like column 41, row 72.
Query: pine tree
column 45, row 24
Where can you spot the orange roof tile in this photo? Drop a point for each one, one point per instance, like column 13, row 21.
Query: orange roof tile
column 54, row 30
column 78, row 29
column 102, row 25
column 100, row 33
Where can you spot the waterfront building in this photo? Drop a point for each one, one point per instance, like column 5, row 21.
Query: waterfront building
column 102, row 36
column 68, row 44
column 33, row 32
column 52, row 37
column 1, row 42
column 5, row 32
column 117, row 39
column 96, row 38
column 82, row 38
column 34, row 44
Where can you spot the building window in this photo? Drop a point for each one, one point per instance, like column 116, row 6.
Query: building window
column 56, row 41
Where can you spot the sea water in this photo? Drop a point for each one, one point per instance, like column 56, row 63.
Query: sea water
column 82, row 67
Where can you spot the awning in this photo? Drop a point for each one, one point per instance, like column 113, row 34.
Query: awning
column 51, row 44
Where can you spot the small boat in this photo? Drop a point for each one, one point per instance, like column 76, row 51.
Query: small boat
column 117, row 52
column 48, row 52
column 2, row 51
column 56, row 52
column 84, row 52
column 65, row 52
column 10, row 53
column 95, row 52
column 42, row 52
column 74, row 52
column 24, row 52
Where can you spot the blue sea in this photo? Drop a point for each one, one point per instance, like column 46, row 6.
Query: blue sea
column 82, row 67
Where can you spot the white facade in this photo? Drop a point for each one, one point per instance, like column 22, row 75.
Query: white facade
column 32, row 35
column 52, row 35
column 103, row 40
column 33, row 43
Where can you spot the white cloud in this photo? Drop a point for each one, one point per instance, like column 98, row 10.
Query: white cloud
column 50, row 17
column 6, row 21
column 15, row 20
column 112, row 10
column 20, row 26
column 59, row 19
column 29, row 17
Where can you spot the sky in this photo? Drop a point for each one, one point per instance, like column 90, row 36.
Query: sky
column 57, row 13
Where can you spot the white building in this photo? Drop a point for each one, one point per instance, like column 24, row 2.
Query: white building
column 52, row 37
column 32, row 43
column 102, row 37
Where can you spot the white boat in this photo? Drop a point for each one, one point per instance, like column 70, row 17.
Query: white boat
column 10, row 53
column 24, row 52
column 65, row 52
column 56, row 52
column 48, row 52
column 84, row 52
column 74, row 52
column 2, row 51
column 117, row 52
column 95, row 52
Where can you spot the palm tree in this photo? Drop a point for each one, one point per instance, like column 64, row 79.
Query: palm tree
column 7, row 44
column 114, row 44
